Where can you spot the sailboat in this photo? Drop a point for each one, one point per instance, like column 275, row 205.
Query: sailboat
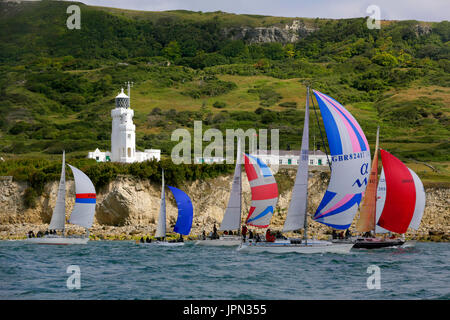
column 396, row 204
column 82, row 213
column 184, row 221
column 232, row 218
column 297, row 212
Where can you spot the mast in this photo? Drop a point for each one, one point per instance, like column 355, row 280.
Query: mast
column 305, row 223
column 58, row 220
column 376, row 179
column 161, row 227
column 238, row 159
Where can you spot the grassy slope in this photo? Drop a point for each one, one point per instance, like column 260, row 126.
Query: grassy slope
column 148, row 94
column 145, row 98
column 230, row 19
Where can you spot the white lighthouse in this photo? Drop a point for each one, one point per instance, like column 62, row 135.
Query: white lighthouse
column 123, row 136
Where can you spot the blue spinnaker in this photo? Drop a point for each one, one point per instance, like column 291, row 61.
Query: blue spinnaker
column 185, row 211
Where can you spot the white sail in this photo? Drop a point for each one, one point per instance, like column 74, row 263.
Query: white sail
column 161, row 228
column 381, row 199
column 420, row 202
column 58, row 220
column 295, row 218
column 232, row 217
column 85, row 199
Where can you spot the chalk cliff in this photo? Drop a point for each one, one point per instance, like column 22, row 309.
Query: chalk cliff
column 128, row 206
column 287, row 33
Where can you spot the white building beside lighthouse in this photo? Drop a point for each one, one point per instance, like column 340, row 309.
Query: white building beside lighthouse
column 123, row 136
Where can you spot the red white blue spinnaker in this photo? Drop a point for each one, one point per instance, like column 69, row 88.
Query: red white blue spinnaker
column 85, row 199
column 264, row 191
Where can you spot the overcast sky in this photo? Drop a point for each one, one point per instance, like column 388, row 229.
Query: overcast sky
column 424, row 10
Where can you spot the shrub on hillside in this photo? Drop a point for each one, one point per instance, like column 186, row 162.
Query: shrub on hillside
column 288, row 104
column 219, row 104
column 211, row 88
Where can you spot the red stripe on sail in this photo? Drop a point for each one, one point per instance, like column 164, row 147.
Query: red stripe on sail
column 257, row 225
column 400, row 195
column 250, row 212
column 265, row 191
column 250, row 169
column 85, row 196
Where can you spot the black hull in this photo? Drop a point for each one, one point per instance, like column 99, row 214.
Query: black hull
column 377, row 244
column 342, row 241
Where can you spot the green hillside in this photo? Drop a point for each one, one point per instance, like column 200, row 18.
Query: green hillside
column 58, row 85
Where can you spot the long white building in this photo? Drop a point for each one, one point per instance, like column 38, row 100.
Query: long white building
column 284, row 157
column 123, row 136
column 291, row 157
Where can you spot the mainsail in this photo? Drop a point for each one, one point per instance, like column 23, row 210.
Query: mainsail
column 85, row 199
column 350, row 156
column 367, row 214
column 161, row 228
column 232, row 217
column 185, row 211
column 295, row 218
column 400, row 202
column 58, row 220
column 264, row 191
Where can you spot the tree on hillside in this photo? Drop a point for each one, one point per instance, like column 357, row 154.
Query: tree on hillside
column 172, row 51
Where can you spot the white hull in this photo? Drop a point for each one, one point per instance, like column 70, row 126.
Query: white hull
column 162, row 244
column 275, row 247
column 57, row 240
column 224, row 241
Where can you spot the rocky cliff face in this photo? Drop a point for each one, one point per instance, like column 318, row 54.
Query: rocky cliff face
column 291, row 32
column 283, row 33
column 131, row 207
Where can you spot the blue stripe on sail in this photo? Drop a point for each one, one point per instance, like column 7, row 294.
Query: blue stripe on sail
column 264, row 168
column 268, row 210
column 85, row 200
column 185, row 211
column 362, row 144
column 333, row 136
column 336, row 226
column 326, row 199
column 356, row 199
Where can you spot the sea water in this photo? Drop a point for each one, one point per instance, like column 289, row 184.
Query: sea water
column 126, row 270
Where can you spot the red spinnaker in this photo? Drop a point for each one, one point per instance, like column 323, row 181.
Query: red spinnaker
column 400, row 195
